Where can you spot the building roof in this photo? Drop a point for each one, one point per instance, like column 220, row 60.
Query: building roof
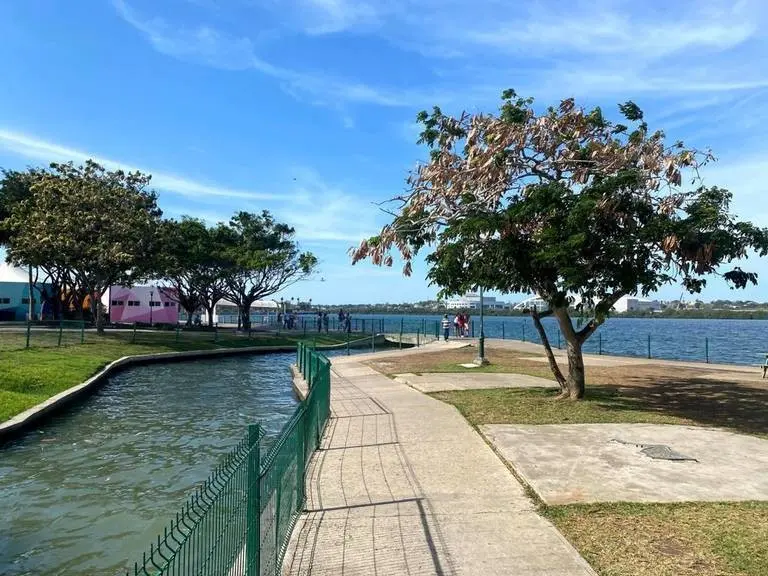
column 257, row 304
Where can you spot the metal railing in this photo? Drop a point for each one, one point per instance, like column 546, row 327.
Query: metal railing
column 239, row 522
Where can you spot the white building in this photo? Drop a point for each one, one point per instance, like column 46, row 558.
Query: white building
column 533, row 302
column 633, row 304
column 471, row 301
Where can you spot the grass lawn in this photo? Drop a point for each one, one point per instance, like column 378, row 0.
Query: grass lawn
column 690, row 539
column 636, row 392
column 30, row 376
column 538, row 406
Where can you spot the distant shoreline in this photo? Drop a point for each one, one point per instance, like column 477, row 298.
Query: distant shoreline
column 672, row 315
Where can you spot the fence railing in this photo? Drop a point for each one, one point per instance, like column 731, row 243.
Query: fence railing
column 239, row 522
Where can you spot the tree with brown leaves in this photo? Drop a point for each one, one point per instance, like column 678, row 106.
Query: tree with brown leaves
column 566, row 204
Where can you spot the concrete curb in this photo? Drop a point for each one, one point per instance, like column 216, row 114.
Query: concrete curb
column 300, row 387
column 34, row 415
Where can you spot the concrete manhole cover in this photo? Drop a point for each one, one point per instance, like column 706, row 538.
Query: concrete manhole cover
column 658, row 451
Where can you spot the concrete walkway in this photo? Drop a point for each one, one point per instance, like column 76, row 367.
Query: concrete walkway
column 402, row 485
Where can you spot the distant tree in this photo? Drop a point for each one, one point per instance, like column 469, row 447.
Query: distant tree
column 263, row 259
column 565, row 204
column 191, row 265
column 96, row 227
column 16, row 186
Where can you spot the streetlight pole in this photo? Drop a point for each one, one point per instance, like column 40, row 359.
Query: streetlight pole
column 481, row 360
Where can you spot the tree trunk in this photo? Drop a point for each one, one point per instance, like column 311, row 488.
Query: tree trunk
column 190, row 313
column 209, row 312
column 548, row 349
column 245, row 315
column 575, row 381
column 31, row 312
column 99, row 315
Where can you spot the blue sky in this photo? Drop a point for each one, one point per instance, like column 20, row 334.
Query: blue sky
column 306, row 107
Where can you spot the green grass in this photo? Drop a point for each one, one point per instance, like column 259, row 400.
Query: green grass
column 539, row 406
column 30, row 376
column 687, row 539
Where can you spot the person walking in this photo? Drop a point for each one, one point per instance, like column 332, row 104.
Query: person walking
column 325, row 321
column 457, row 325
column 446, row 324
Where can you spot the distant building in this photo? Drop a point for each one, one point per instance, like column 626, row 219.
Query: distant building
column 14, row 294
column 471, row 301
column 633, row 304
column 142, row 304
column 225, row 312
column 533, row 302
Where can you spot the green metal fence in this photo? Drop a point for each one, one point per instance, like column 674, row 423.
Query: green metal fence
column 239, row 522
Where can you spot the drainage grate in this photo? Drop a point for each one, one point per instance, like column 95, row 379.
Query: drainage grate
column 658, row 451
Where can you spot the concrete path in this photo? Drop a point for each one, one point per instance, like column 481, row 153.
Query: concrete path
column 582, row 463
column 441, row 382
column 402, row 485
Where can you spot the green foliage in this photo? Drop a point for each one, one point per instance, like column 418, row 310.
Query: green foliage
column 565, row 204
column 261, row 258
column 192, row 263
column 95, row 227
column 14, row 187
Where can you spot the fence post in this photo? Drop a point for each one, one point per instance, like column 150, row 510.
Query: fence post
column 417, row 339
column 649, row 345
column 523, row 330
column 600, row 343
column 363, row 330
column 706, row 348
column 82, row 332
column 133, row 337
column 373, row 338
column 29, row 330
column 503, row 335
column 253, row 523
column 401, row 333
column 472, row 328
column 61, row 329
column 348, row 352
column 300, row 463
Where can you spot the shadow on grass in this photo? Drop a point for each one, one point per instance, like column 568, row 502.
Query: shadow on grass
column 703, row 401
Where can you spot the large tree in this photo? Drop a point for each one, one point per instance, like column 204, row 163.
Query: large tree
column 565, row 204
column 98, row 227
column 192, row 265
column 263, row 257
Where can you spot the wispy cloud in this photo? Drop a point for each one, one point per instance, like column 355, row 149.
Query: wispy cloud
column 40, row 150
column 212, row 47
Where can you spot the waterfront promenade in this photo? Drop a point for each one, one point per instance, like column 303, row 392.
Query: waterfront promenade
column 403, row 485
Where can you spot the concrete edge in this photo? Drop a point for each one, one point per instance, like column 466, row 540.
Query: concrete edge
column 27, row 419
column 299, row 384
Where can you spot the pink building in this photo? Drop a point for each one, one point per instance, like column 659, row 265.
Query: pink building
column 144, row 304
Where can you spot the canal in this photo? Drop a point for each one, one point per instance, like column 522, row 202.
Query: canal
column 88, row 491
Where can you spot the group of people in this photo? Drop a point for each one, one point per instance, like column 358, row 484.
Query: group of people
column 345, row 321
column 287, row 320
column 461, row 325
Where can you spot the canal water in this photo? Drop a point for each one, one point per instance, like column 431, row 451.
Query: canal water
column 89, row 491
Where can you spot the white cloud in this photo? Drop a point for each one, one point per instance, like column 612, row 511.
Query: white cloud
column 332, row 16
column 39, row 150
column 212, row 47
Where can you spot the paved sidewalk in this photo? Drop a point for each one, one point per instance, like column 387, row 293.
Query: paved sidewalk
column 402, row 485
